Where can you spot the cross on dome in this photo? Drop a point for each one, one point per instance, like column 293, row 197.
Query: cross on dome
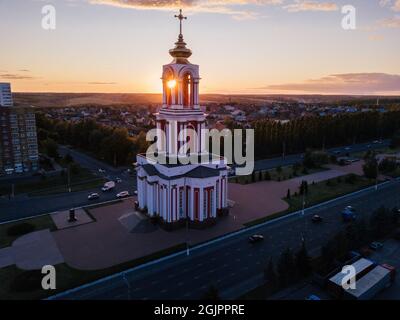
column 181, row 17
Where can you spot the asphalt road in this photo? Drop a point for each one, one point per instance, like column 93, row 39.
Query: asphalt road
column 338, row 151
column 234, row 265
column 22, row 206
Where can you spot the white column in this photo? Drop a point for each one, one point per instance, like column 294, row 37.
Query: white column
column 167, row 137
column 203, row 137
column 164, row 94
column 191, row 204
column 214, row 207
column 198, row 147
column 201, row 204
column 180, row 93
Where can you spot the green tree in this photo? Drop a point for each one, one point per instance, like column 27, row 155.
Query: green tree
column 370, row 169
column 271, row 277
column 50, row 147
column 212, row 293
column 287, row 272
column 303, row 261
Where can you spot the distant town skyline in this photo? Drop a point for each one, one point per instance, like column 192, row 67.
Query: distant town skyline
column 243, row 46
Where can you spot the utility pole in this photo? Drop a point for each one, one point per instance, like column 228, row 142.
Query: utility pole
column 69, row 177
column 128, row 285
column 303, row 216
column 283, row 149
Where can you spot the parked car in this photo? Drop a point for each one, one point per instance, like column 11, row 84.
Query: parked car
column 93, row 196
column 256, row 238
column 316, row 219
column 376, row 245
column 118, row 180
column 102, row 170
column 123, row 194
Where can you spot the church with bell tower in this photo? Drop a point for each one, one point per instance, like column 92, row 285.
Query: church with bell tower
column 172, row 190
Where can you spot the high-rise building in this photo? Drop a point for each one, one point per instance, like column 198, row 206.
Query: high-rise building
column 172, row 189
column 5, row 95
column 18, row 141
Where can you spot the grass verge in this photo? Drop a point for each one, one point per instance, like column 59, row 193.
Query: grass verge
column 19, row 284
column 318, row 193
column 11, row 231
column 277, row 174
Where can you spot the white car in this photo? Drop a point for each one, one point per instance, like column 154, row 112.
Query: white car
column 93, row 196
column 123, row 194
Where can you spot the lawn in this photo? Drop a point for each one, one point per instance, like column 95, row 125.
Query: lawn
column 329, row 189
column 18, row 284
column 21, row 284
column 277, row 174
column 11, row 231
column 320, row 192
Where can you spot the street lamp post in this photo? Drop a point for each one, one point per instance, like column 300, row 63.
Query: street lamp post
column 187, row 217
column 303, row 217
column 128, row 285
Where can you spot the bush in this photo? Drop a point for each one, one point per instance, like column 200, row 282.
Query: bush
column 351, row 178
column 370, row 169
column 27, row 281
column 387, row 165
column 20, row 229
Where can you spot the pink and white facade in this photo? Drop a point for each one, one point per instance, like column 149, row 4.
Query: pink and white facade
column 173, row 191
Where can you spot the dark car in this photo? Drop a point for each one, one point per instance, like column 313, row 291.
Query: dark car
column 316, row 219
column 256, row 238
column 93, row 196
column 376, row 245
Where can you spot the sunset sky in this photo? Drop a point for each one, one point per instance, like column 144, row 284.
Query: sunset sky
column 242, row 46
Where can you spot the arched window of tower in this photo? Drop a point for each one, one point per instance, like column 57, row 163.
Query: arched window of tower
column 187, row 90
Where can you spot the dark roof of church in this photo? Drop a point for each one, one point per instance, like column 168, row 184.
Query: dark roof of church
column 198, row 172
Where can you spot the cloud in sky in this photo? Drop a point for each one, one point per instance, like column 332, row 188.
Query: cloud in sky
column 394, row 4
column 311, row 5
column 14, row 76
column 390, row 22
column 102, row 83
column 229, row 7
column 347, row 83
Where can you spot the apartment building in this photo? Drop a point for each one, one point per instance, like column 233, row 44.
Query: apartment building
column 18, row 140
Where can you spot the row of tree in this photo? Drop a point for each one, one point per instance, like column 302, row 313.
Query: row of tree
column 113, row 145
column 292, row 267
column 272, row 137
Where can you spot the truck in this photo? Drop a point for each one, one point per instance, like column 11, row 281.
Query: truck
column 379, row 278
column 108, row 186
